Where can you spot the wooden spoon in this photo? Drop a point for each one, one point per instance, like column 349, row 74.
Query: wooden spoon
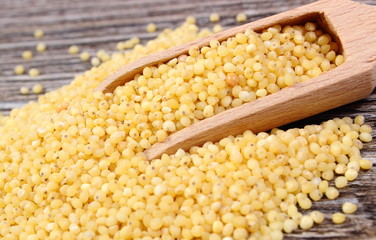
column 353, row 27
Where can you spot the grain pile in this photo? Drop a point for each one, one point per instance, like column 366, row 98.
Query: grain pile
column 72, row 164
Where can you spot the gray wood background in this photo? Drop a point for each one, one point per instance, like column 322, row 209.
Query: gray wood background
column 98, row 24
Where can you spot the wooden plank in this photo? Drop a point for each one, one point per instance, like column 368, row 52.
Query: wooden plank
column 100, row 24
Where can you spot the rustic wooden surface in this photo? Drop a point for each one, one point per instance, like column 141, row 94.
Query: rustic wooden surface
column 99, row 24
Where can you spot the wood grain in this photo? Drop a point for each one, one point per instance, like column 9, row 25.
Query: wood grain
column 100, row 24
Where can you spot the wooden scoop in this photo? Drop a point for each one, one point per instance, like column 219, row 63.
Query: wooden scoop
column 353, row 27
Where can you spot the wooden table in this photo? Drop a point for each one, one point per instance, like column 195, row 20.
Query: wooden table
column 97, row 24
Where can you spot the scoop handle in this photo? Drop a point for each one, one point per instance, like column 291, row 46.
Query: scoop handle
column 353, row 25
